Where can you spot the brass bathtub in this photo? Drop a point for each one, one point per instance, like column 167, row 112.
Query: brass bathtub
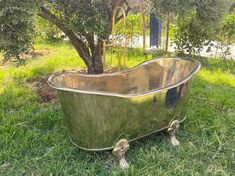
column 107, row 111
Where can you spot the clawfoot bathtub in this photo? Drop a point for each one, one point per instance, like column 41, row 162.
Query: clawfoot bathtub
column 106, row 112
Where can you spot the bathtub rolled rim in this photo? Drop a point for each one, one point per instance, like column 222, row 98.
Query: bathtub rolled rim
column 184, row 80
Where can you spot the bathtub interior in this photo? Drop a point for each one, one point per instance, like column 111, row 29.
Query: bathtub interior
column 155, row 74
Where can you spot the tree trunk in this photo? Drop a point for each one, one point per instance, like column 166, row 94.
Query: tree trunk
column 96, row 64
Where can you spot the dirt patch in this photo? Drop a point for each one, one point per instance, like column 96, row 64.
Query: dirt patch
column 46, row 93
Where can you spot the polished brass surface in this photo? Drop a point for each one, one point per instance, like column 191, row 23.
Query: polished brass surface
column 102, row 109
column 120, row 148
column 172, row 132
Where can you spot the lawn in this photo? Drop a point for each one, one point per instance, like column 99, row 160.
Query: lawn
column 34, row 138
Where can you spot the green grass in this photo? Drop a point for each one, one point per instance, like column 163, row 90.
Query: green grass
column 33, row 134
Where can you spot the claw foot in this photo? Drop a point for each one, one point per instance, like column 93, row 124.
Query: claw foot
column 172, row 133
column 119, row 151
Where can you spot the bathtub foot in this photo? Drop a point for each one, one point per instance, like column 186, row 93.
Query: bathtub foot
column 171, row 131
column 119, row 151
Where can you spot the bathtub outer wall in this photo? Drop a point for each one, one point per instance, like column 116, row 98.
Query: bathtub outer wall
column 96, row 122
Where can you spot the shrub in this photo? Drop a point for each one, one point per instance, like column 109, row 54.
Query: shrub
column 16, row 29
column 189, row 35
column 226, row 34
column 45, row 30
column 134, row 27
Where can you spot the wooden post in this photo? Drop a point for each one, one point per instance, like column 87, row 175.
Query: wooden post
column 167, row 31
column 119, row 53
column 144, row 28
column 104, row 53
column 125, row 50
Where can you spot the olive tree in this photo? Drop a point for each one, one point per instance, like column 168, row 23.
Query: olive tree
column 196, row 21
column 197, row 25
column 226, row 34
column 85, row 22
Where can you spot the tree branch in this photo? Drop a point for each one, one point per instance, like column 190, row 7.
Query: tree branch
column 79, row 44
column 91, row 43
column 120, row 3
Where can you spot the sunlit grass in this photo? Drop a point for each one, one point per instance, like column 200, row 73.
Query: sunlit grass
column 33, row 134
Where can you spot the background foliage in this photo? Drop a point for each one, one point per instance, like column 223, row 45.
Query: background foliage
column 47, row 31
column 190, row 36
column 134, row 27
column 198, row 27
column 16, row 28
column 197, row 23
column 226, row 34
